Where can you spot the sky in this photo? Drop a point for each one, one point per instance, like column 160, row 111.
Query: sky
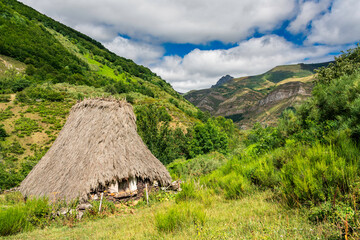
column 193, row 43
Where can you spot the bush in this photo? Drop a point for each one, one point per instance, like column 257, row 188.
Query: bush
column 315, row 175
column 26, row 126
column 38, row 92
column 196, row 167
column 229, row 179
column 14, row 198
column 179, row 217
column 4, row 98
column 13, row 220
column 3, row 133
column 22, row 217
column 207, row 137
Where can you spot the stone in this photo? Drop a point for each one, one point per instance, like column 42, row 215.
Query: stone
column 79, row 215
column 84, row 206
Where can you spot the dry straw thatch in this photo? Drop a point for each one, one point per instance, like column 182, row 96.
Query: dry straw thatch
column 98, row 143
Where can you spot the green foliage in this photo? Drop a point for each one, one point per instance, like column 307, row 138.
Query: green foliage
column 13, row 82
column 153, row 126
column 13, row 220
column 346, row 64
column 264, row 139
column 6, row 114
column 4, row 98
column 191, row 191
column 207, row 137
column 3, row 133
column 179, row 217
column 106, row 207
column 14, row 198
column 40, row 93
column 229, row 179
column 316, row 174
column 22, row 217
column 157, row 197
column 196, row 167
column 26, row 126
column 187, row 192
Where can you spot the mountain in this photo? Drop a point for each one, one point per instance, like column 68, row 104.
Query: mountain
column 222, row 81
column 260, row 98
column 46, row 67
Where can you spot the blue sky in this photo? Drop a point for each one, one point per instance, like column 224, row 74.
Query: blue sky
column 192, row 43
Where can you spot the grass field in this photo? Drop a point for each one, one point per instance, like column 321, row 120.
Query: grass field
column 258, row 216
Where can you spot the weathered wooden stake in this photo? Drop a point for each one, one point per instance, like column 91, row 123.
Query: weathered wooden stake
column 147, row 195
column 102, row 194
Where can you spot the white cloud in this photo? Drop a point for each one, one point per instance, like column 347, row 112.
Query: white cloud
column 181, row 21
column 141, row 53
column 309, row 10
column 201, row 69
column 340, row 26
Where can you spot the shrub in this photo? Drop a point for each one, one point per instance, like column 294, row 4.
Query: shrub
column 229, row 179
column 315, row 175
column 196, row 167
column 207, row 137
column 13, row 220
column 21, row 217
column 26, row 126
column 14, row 198
column 3, row 133
column 4, row 98
column 38, row 211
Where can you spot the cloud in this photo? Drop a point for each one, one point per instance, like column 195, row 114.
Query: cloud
column 139, row 52
column 339, row 26
column 309, row 10
column 201, row 69
column 181, row 21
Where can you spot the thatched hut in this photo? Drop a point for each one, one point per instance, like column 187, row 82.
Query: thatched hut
column 98, row 149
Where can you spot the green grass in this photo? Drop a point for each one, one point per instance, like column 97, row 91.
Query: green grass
column 257, row 216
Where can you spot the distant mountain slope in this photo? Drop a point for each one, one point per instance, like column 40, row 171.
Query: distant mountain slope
column 261, row 98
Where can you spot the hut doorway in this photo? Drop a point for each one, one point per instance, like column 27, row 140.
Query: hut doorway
column 124, row 188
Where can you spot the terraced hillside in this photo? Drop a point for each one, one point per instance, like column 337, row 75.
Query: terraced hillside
column 260, row 98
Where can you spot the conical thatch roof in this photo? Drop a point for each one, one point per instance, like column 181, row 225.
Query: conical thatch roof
column 98, row 143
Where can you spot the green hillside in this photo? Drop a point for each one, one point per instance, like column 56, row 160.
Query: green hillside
column 239, row 98
column 46, row 67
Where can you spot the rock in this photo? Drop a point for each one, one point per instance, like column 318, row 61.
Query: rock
column 63, row 211
column 79, row 215
column 84, row 206
column 175, row 185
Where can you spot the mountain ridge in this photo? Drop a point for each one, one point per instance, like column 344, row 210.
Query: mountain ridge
column 239, row 98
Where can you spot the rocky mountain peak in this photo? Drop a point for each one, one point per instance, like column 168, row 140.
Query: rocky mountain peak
column 222, row 80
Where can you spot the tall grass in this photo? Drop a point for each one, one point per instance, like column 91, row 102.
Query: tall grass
column 180, row 216
column 301, row 173
column 24, row 216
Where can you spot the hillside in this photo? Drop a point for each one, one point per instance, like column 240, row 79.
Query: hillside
column 260, row 98
column 46, row 67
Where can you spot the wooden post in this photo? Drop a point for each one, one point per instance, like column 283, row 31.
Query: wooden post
column 147, row 195
column 102, row 194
